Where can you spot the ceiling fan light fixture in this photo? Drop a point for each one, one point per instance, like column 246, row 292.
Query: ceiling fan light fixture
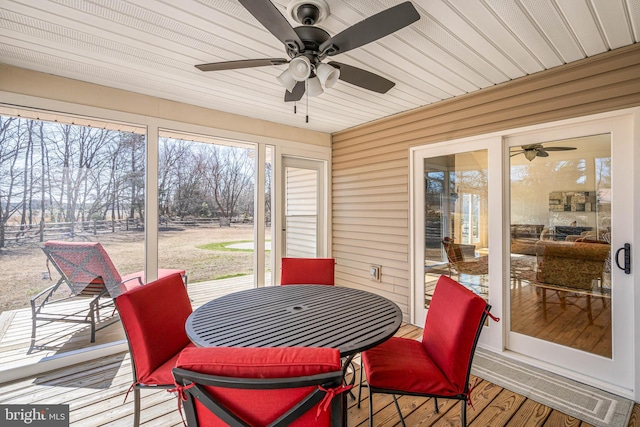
column 327, row 74
column 314, row 87
column 286, row 79
column 530, row 154
column 300, row 68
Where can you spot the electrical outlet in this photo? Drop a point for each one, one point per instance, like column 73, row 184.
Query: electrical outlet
column 374, row 272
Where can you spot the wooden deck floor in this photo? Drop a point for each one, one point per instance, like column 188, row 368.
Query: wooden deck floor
column 95, row 392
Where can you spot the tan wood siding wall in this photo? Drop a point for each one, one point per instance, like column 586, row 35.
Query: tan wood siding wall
column 370, row 172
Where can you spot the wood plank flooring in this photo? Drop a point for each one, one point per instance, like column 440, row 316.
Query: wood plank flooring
column 95, row 392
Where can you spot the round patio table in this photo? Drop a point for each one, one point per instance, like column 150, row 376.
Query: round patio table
column 348, row 319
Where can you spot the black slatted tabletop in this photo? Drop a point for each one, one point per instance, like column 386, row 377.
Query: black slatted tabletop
column 296, row 316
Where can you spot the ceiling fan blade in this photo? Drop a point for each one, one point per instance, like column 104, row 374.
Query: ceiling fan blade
column 362, row 78
column 372, row 28
column 295, row 94
column 559, row 148
column 542, row 153
column 244, row 63
column 271, row 18
column 516, row 153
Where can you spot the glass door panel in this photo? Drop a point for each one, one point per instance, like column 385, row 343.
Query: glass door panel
column 456, row 219
column 560, row 242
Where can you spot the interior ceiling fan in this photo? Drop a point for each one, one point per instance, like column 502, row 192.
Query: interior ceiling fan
column 538, row 150
column 308, row 45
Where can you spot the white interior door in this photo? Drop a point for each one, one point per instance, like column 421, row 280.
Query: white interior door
column 304, row 229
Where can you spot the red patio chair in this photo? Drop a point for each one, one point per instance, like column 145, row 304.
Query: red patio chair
column 87, row 270
column 307, row 271
column 289, row 386
column 153, row 317
column 440, row 364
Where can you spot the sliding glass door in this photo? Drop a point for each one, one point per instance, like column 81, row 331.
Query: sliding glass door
column 538, row 222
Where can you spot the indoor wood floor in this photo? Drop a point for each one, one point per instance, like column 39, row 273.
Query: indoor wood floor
column 568, row 325
column 95, row 392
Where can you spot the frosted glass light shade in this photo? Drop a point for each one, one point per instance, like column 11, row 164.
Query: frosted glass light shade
column 300, row 68
column 327, row 74
column 314, row 87
column 286, row 79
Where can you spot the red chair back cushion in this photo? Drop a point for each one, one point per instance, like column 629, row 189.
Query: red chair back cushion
column 307, row 271
column 450, row 330
column 260, row 407
column 154, row 317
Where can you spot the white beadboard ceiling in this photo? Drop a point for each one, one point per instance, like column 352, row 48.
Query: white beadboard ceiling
column 457, row 47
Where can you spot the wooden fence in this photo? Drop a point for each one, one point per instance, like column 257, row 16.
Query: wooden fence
column 16, row 233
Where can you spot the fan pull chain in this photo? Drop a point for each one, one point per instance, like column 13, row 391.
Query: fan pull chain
column 306, row 92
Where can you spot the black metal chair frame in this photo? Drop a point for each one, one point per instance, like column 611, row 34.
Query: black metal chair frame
column 463, row 397
column 328, row 380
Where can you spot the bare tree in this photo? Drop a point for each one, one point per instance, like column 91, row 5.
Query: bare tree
column 10, row 147
column 172, row 156
column 77, row 149
column 229, row 177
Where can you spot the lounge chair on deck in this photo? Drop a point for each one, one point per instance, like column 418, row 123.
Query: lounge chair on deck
column 87, row 270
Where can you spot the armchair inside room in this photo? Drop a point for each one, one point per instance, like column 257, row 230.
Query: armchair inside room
column 574, row 270
column 462, row 260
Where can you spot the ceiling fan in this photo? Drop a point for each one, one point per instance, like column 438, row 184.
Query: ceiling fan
column 308, row 45
column 537, row 150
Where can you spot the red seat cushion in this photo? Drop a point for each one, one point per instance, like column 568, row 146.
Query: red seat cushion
column 403, row 364
column 260, row 407
column 162, row 374
column 130, row 281
column 154, row 317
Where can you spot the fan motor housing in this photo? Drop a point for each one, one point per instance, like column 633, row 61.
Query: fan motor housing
column 312, row 37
